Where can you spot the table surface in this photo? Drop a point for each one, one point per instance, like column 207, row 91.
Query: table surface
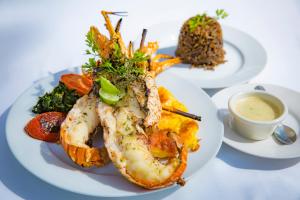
column 38, row 38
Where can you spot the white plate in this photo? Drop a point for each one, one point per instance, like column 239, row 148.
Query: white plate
column 268, row 148
column 245, row 56
column 50, row 163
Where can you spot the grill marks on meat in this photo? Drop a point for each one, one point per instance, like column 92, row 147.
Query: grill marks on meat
column 147, row 96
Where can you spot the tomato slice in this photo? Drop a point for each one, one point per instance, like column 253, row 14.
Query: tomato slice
column 45, row 126
column 82, row 84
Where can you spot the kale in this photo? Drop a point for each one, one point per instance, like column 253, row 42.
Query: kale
column 61, row 99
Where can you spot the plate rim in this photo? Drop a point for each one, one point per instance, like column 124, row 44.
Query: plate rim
column 45, row 179
column 208, row 84
column 227, row 141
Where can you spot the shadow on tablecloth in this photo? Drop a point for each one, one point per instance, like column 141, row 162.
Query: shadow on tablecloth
column 242, row 160
column 21, row 182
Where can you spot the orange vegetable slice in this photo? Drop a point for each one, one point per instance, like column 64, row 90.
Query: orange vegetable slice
column 81, row 84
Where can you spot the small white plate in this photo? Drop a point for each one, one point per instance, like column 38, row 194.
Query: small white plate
column 245, row 56
column 50, row 163
column 268, row 148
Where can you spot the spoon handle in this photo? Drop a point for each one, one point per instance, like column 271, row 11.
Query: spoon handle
column 260, row 87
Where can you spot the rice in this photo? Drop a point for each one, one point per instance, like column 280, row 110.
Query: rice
column 203, row 46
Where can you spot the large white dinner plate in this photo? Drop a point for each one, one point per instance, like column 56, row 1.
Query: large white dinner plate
column 50, row 163
column 245, row 56
column 268, row 148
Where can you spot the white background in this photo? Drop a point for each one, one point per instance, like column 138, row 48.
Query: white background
column 42, row 37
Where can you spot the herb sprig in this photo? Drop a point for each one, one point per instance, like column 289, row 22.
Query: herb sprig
column 91, row 43
column 88, row 66
column 221, row 14
column 92, row 51
column 203, row 19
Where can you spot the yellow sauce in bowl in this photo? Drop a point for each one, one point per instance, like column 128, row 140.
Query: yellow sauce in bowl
column 257, row 108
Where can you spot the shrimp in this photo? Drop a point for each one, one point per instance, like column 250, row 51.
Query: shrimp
column 102, row 42
column 157, row 66
column 150, row 49
column 106, row 45
column 115, row 36
column 76, row 132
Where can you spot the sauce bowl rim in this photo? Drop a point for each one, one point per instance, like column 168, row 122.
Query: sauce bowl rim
column 235, row 97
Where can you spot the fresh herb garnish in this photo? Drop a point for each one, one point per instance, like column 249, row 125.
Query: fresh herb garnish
column 123, row 69
column 221, row 14
column 198, row 20
column 90, row 42
column 61, row 99
column 93, row 51
column 117, row 68
column 203, row 19
column 139, row 57
column 88, row 66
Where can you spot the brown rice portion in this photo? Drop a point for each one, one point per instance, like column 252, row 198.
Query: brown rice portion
column 202, row 47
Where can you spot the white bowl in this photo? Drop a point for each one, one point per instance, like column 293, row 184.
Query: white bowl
column 254, row 129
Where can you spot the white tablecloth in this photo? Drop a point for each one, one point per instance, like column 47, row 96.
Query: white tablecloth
column 38, row 38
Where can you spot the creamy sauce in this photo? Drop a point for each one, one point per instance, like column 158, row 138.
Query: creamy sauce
column 257, row 108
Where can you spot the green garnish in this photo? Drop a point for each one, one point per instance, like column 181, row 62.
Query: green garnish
column 221, row 14
column 108, row 87
column 118, row 68
column 88, row 66
column 115, row 71
column 203, row 19
column 109, row 93
column 61, row 99
column 122, row 70
column 92, row 51
column 90, row 42
column 108, row 98
column 198, row 20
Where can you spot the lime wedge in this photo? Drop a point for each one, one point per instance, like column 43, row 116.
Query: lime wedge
column 108, row 98
column 108, row 87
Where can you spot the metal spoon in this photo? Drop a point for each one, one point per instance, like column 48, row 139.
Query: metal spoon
column 283, row 133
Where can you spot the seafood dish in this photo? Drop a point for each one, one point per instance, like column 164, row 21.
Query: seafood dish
column 147, row 132
column 200, row 41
